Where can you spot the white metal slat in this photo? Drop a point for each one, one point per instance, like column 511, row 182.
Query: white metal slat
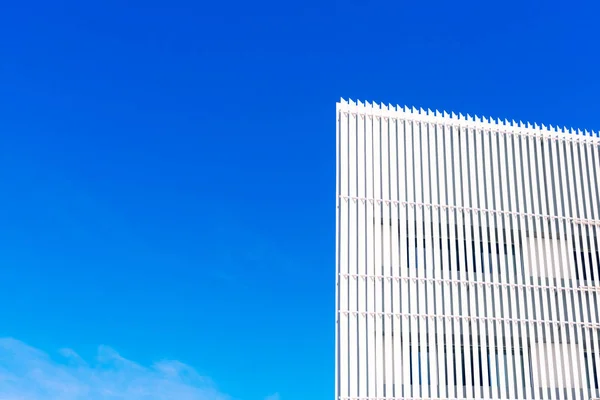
column 465, row 260
column 525, row 275
column 514, row 265
column 567, row 259
column 484, row 292
column 538, row 242
column 536, row 264
column 361, row 266
column 378, row 251
column 560, row 265
column 337, row 241
column 447, row 267
column 518, row 300
column 532, row 263
column 421, row 262
column 475, row 272
column 497, row 249
column 412, row 265
column 452, row 305
column 573, row 248
column 483, row 262
column 343, row 259
column 435, row 288
column 461, row 304
column 591, row 187
column 542, row 261
column 370, row 267
column 353, row 257
column 581, row 261
column 402, row 240
column 454, row 335
column 503, row 341
column 404, row 272
column 560, row 356
column 431, row 370
column 387, row 301
column 470, row 332
column 491, row 266
column 444, row 325
column 552, row 266
column 451, row 262
column 506, row 274
column 588, row 246
column 395, row 257
column 585, row 211
column 520, row 154
column 412, row 338
column 594, row 168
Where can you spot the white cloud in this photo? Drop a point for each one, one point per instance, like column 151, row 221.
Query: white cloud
column 27, row 373
column 274, row 396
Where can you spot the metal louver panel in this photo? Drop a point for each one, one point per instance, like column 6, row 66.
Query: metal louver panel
column 468, row 262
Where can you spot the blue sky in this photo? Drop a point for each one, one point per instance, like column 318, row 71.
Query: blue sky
column 167, row 171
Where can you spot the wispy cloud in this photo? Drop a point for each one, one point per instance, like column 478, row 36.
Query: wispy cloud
column 27, row 373
column 274, row 396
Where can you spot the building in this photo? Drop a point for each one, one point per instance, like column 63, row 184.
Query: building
column 467, row 257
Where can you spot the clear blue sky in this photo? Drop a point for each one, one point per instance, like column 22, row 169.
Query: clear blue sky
column 167, row 169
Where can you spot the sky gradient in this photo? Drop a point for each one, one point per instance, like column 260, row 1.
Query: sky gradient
column 168, row 173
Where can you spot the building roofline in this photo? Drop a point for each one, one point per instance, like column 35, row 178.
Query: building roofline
column 405, row 113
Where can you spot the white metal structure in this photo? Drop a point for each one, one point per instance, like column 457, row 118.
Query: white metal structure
column 467, row 257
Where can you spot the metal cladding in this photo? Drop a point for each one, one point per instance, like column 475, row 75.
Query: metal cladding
column 468, row 264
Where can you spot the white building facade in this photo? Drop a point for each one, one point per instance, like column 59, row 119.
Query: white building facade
column 467, row 257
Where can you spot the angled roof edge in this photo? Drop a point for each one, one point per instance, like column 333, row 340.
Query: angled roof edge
column 443, row 117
